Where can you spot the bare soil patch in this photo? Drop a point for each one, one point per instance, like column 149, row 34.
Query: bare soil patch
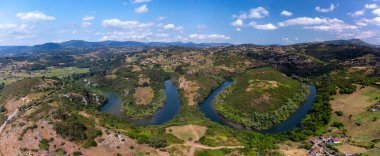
column 143, row 95
column 190, row 89
column 187, row 132
column 292, row 151
column 262, row 84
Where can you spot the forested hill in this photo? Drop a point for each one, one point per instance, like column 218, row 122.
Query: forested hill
column 79, row 44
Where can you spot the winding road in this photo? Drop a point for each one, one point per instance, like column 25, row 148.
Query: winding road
column 9, row 119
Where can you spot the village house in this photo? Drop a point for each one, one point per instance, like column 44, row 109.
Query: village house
column 316, row 150
column 334, row 140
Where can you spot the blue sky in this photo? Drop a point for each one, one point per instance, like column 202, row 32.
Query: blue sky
column 28, row 22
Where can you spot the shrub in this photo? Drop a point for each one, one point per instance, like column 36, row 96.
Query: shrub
column 60, row 151
column 44, row 144
column 77, row 153
column 339, row 113
column 157, row 141
column 337, row 124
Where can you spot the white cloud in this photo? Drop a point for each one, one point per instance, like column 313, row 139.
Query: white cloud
column 88, row 18
column 34, row 16
column 376, row 12
column 308, row 21
column 288, row 40
column 212, row 37
column 286, row 13
column 172, row 27
column 338, row 27
column 258, row 12
column 15, row 32
column 357, row 13
column 362, row 23
column 320, row 24
column 325, row 10
column 7, row 26
column 238, row 29
column 160, row 18
column 86, row 21
column 268, row 26
column 371, row 6
column 86, row 24
column 169, row 26
column 358, row 34
column 142, row 9
column 140, row 1
column 116, row 23
column 365, row 21
column 365, row 34
column 237, row 23
column 202, row 26
column 133, row 35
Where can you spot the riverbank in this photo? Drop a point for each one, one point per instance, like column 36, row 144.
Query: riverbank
column 165, row 113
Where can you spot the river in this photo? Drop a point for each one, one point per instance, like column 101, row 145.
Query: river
column 172, row 107
column 293, row 121
column 168, row 111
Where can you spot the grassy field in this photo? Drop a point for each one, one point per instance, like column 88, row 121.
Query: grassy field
column 361, row 125
column 350, row 149
column 374, row 152
column 10, row 77
column 60, row 72
column 372, row 94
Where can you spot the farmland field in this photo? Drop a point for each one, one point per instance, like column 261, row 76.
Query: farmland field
column 361, row 125
column 60, row 72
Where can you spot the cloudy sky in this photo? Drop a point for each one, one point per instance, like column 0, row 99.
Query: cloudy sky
column 28, row 22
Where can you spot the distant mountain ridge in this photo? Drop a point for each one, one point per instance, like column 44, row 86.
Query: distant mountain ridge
column 357, row 42
column 46, row 47
column 103, row 44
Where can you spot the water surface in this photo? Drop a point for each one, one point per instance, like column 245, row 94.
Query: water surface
column 168, row 111
column 293, row 121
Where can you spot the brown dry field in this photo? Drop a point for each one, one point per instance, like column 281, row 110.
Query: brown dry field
column 12, row 104
column 356, row 104
column 290, row 148
column 143, row 95
column 190, row 89
column 289, row 151
column 185, row 132
column 350, row 149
